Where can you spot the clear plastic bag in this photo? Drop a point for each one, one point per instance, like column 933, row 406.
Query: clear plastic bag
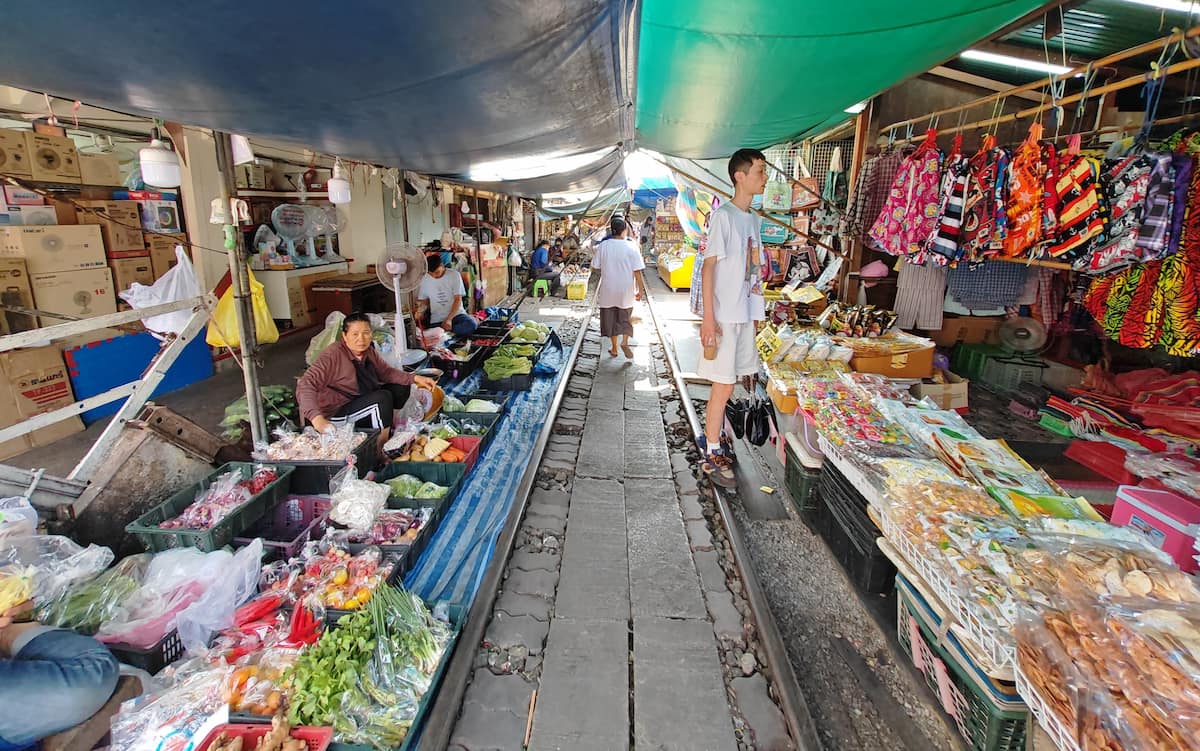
column 172, row 717
column 214, row 610
column 84, row 606
column 18, row 518
column 57, row 563
column 310, row 445
column 355, row 503
column 179, row 283
column 174, row 580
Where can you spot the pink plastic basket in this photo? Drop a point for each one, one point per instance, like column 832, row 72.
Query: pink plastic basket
column 318, row 739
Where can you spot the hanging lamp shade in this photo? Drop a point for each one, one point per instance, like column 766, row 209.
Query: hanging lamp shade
column 159, row 163
column 338, row 186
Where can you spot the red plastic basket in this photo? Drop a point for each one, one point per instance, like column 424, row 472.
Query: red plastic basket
column 318, row 739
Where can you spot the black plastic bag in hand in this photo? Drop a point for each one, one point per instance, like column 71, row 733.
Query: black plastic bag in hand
column 759, row 422
column 736, row 412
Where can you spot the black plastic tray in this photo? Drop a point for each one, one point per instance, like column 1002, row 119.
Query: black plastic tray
column 167, row 650
column 866, row 565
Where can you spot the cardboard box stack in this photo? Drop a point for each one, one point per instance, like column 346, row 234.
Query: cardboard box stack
column 120, row 224
column 34, row 381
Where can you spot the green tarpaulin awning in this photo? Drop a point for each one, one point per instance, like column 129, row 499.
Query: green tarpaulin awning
column 715, row 76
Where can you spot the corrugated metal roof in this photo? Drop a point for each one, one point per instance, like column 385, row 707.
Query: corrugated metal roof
column 1101, row 27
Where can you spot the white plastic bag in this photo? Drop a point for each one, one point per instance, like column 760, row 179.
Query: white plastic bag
column 214, row 610
column 179, row 283
column 18, row 518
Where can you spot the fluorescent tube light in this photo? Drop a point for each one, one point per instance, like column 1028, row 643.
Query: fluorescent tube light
column 992, row 58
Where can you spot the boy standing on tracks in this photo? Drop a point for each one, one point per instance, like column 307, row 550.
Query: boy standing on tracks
column 620, row 263
column 732, row 301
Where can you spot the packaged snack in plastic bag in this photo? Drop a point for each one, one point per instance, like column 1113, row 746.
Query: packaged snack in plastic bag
column 310, row 445
column 84, row 606
column 56, row 562
column 1106, row 568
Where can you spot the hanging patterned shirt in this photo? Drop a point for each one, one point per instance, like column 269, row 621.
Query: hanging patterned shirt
column 910, row 211
column 984, row 218
column 944, row 244
column 1079, row 218
column 1153, row 235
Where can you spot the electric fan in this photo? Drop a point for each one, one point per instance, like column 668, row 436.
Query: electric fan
column 401, row 268
column 1022, row 335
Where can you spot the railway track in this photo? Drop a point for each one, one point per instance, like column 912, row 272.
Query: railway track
column 620, row 609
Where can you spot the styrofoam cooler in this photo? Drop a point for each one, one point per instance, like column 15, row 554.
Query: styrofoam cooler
column 1168, row 520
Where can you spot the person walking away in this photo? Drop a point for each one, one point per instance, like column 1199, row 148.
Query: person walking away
column 732, row 301
column 541, row 268
column 441, row 293
column 620, row 264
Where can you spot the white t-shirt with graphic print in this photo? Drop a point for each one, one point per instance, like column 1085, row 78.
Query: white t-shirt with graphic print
column 733, row 239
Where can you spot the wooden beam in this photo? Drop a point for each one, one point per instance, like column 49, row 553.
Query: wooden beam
column 980, row 82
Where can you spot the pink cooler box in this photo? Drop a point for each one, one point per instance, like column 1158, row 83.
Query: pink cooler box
column 1168, row 520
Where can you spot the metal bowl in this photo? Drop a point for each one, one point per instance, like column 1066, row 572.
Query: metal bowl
column 434, row 373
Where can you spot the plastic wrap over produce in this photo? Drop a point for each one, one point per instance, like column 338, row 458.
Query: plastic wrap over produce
column 50, row 564
column 356, row 503
column 310, row 445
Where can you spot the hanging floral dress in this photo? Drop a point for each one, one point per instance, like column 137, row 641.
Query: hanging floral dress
column 910, row 212
column 1031, row 207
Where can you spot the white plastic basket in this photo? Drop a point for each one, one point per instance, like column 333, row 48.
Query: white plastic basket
column 1062, row 737
column 995, row 645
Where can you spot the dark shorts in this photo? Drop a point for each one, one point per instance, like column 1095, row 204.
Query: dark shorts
column 616, row 322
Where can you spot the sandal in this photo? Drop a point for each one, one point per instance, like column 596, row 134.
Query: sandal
column 719, row 470
column 627, row 350
column 612, row 353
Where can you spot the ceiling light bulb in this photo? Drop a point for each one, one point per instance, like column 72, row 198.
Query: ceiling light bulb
column 160, row 165
column 992, row 58
column 338, row 186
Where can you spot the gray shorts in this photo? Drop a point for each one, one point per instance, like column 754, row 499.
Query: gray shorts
column 616, row 322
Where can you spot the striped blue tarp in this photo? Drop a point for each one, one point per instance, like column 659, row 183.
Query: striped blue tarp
column 452, row 566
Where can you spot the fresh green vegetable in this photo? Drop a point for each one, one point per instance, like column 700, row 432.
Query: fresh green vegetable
column 517, row 350
column 452, row 404
column 482, row 405
column 499, row 366
column 85, row 606
column 328, row 669
column 279, row 407
column 404, row 486
column 444, row 430
column 431, row 490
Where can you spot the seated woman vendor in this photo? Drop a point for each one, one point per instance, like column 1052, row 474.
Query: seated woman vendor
column 350, row 382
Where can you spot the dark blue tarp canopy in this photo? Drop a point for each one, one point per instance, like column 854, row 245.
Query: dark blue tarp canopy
column 431, row 85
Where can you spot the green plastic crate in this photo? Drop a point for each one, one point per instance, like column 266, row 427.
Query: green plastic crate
column 457, row 615
column 155, row 539
column 969, row 360
column 449, row 475
column 991, row 718
column 801, row 484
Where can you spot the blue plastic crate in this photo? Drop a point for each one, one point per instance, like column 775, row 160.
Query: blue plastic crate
column 99, row 366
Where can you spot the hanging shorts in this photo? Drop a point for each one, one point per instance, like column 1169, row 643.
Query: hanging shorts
column 736, row 355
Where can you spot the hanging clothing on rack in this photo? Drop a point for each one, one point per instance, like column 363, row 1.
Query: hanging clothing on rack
column 920, row 291
column 1152, row 237
column 1080, row 214
column 1126, row 182
column 988, row 285
column 985, row 219
column 910, row 211
column 874, row 182
column 1183, row 163
column 945, row 242
column 1031, row 198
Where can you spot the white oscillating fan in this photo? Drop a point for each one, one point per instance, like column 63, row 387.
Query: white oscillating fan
column 401, row 268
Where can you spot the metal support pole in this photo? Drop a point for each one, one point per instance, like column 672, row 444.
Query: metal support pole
column 240, row 279
column 404, row 205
